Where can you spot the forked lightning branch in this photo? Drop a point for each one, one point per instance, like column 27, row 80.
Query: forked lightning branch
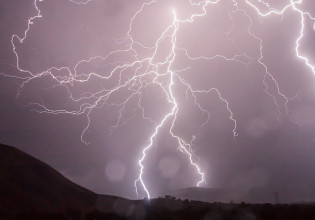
column 161, row 73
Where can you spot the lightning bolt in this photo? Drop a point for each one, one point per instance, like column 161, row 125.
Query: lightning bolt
column 281, row 12
column 151, row 71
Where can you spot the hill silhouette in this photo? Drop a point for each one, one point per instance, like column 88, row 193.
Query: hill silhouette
column 27, row 183
column 30, row 189
column 258, row 195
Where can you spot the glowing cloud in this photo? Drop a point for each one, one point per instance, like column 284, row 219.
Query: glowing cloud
column 160, row 73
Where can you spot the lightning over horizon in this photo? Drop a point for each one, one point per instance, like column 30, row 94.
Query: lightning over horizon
column 155, row 67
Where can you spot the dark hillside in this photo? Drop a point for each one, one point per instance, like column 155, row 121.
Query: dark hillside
column 30, row 189
column 27, row 183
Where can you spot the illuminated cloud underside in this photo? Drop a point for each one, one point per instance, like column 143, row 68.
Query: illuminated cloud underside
column 154, row 71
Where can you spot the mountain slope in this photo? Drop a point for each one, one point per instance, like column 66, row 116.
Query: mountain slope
column 29, row 184
column 30, row 189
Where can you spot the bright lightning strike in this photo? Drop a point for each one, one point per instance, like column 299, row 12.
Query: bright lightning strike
column 149, row 72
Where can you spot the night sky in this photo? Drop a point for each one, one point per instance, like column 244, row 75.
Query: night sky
column 46, row 111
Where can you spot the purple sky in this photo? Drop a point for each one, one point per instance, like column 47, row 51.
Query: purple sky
column 275, row 145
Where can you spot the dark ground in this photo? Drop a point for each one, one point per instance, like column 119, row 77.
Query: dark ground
column 30, row 189
column 160, row 209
